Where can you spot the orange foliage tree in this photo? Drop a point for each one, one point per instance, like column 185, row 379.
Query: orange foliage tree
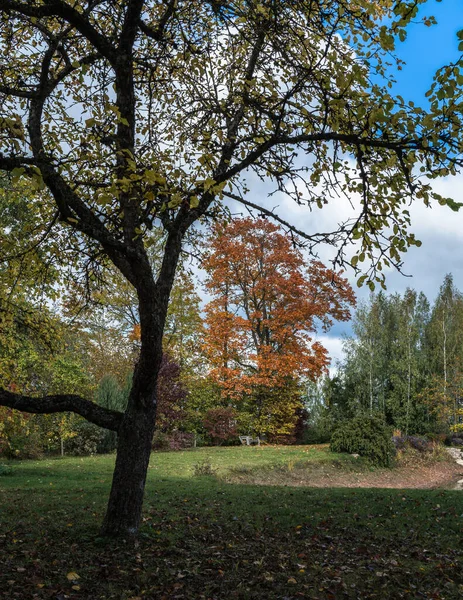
column 267, row 305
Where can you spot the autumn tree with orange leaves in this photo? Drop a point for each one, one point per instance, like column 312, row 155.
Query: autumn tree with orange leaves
column 267, row 305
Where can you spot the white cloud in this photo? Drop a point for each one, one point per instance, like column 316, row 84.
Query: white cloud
column 334, row 346
column 438, row 227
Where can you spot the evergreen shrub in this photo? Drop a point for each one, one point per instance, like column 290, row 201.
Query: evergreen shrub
column 367, row 436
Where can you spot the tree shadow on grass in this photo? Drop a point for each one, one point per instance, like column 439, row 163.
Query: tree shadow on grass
column 204, row 538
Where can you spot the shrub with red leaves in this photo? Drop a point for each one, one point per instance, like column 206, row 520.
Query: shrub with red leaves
column 220, row 424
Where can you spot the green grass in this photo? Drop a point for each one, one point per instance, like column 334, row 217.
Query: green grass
column 204, row 537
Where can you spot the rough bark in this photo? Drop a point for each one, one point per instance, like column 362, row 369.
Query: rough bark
column 133, row 452
column 103, row 417
column 135, row 434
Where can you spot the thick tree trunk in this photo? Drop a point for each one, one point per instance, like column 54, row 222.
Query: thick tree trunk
column 135, row 433
column 125, row 504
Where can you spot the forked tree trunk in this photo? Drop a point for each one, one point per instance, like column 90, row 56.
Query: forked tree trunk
column 135, row 434
column 125, row 504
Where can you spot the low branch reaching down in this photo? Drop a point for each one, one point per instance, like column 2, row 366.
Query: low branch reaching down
column 103, row 417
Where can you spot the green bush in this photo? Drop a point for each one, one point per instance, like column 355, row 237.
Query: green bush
column 5, row 470
column 367, row 436
column 87, row 440
column 19, row 435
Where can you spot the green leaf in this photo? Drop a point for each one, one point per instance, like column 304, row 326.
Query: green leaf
column 455, row 206
column 194, row 201
column 17, row 173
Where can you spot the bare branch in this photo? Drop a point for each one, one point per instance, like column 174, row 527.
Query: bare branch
column 326, row 237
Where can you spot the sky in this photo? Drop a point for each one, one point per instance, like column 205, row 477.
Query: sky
column 425, row 50
column 440, row 229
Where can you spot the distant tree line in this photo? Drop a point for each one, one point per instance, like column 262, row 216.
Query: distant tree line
column 404, row 362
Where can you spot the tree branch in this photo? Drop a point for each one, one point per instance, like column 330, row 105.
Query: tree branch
column 9, row 163
column 131, row 24
column 11, row 91
column 103, row 417
column 326, row 237
column 58, row 8
column 158, row 33
column 330, row 136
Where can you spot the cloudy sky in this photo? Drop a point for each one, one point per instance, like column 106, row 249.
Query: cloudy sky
column 439, row 228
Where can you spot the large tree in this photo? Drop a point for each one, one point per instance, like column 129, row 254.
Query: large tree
column 261, row 323
column 130, row 115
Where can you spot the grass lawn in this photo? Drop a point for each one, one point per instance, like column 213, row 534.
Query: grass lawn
column 209, row 537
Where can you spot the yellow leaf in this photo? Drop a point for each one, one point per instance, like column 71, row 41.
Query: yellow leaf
column 175, row 201
column 76, row 587
column 208, row 183
column 104, row 198
column 17, row 173
column 194, row 201
column 292, row 580
column 13, row 127
column 72, row 576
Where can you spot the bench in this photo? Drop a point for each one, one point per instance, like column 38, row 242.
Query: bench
column 247, row 440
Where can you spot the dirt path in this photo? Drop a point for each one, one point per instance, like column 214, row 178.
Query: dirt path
column 441, row 474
